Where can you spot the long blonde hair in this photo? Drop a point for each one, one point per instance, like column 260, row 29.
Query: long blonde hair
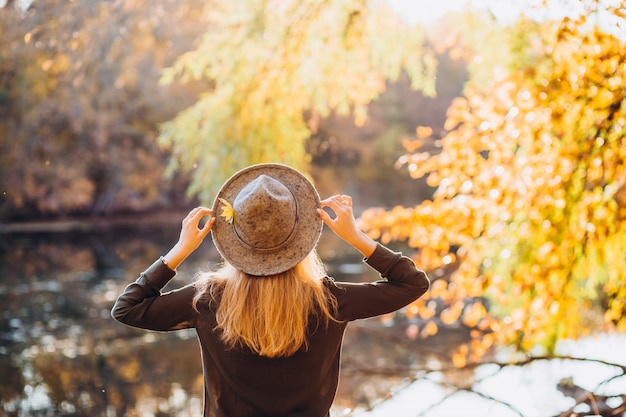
column 269, row 315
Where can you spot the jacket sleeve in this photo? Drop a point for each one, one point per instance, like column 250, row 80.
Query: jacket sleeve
column 403, row 283
column 143, row 305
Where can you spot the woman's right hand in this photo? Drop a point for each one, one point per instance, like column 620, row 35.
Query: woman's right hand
column 191, row 236
column 344, row 224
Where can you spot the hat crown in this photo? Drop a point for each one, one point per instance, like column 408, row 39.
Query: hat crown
column 269, row 220
column 266, row 213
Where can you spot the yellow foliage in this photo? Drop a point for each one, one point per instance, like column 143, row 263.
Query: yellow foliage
column 429, row 329
column 271, row 63
column 530, row 198
column 451, row 314
column 473, row 314
column 459, row 358
column 427, row 311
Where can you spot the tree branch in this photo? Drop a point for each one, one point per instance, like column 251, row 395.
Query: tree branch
column 597, row 403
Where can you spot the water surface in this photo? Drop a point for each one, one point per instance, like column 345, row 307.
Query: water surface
column 61, row 354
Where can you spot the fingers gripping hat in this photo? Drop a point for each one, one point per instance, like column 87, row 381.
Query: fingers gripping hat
column 266, row 219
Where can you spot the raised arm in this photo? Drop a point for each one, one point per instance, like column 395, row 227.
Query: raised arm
column 344, row 225
column 143, row 305
column 403, row 282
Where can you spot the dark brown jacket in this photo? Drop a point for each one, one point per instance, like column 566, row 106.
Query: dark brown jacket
column 239, row 383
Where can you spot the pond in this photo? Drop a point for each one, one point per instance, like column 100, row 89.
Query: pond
column 61, row 354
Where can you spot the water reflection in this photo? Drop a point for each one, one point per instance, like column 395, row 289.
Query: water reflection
column 62, row 355
column 589, row 379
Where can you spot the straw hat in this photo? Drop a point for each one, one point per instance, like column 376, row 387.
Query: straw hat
column 266, row 219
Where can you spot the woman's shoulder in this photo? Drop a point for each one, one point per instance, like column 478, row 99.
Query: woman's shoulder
column 335, row 288
column 208, row 293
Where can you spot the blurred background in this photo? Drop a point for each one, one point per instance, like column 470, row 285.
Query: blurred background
column 487, row 140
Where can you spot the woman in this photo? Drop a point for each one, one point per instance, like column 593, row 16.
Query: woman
column 270, row 323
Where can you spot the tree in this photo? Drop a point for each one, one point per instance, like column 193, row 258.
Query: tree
column 80, row 104
column 530, row 203
column 276, row 68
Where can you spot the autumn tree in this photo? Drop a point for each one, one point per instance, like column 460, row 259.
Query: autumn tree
column 278, row 67
column 529, row 208
column 80, row 103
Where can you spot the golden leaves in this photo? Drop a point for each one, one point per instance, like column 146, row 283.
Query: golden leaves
column 459, row 358
column 451, row 315
column 429, row 329
column 529, row 205
column 473, row 314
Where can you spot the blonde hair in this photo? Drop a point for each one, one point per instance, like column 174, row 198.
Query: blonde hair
column 269, row 315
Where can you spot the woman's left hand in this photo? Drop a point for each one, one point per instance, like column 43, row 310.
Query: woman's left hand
column 344, row 224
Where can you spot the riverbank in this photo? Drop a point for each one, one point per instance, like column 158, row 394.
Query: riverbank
column 92, row 224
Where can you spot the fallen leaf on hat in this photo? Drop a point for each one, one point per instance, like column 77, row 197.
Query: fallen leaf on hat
column 228, row 213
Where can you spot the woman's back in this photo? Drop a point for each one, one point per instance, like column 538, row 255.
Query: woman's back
column 271, row 326
column 240, row 382
column 270, row 316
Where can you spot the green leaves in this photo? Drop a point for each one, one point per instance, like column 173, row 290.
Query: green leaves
column 277, row 66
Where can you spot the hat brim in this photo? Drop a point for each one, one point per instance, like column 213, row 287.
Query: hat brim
column 306, row 234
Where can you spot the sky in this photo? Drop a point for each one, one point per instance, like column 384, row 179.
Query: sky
column 425, row 12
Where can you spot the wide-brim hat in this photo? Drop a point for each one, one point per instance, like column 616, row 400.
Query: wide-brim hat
column 266, row 220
